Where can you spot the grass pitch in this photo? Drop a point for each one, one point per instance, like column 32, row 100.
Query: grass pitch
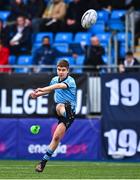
column 69, row 170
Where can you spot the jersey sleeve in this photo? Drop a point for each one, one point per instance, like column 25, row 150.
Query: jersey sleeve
column 70, row 82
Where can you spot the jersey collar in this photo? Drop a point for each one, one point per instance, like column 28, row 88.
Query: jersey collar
column 63, row 79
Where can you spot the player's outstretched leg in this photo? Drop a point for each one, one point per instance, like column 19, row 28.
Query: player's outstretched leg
column 57, row 136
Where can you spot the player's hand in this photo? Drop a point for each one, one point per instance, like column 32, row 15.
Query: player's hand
column 38, row 90
column 33, row 95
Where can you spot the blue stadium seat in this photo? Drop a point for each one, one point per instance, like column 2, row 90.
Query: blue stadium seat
column 105, row 59
column 97, row 28
column 121, row 37
column 76, row 47
column 63, row 37
column 104, row 37
column 117, row 14
column 79, row 62
column 82, row 37
column 121, row 41
column 62, row 47
column 36, row 46
column 4, row 15
column 12, row 60
column 117, row 25
column 24, row 60
column 39, row 37
column 100, row 15
column 122, row 50
column 103, row 15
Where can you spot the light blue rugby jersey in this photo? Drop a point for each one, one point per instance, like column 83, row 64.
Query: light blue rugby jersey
column 65, row 95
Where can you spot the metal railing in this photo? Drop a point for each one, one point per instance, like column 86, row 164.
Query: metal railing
column 98, row 69
column 130, row 28
column 129, row 35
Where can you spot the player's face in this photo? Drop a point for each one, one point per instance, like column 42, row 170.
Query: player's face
column 62, row 72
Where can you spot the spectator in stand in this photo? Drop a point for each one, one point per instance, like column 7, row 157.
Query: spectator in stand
column 93, row 54
column 3, row 34
column 45, row 54
column 35, row 8
column 129, row 63
column 75, row 11
column 20, row 37
column 52, row 18
column 18, row 8
column 4, row 57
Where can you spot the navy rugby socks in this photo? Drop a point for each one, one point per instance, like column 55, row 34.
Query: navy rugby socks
column 47, row 155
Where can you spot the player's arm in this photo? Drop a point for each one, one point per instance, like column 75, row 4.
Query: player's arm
column 46, row 90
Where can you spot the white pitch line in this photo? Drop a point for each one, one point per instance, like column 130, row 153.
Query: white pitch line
column 66, row 165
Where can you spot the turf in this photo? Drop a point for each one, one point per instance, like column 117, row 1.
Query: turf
column 69, row 170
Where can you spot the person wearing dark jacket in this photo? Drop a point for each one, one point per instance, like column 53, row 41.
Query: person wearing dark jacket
column 93, row 54
column 74, row 13
column 20, row 37
column 17, row 8
column 45, row 55
column 129, row 63
column 35, row 8
column 3, row 34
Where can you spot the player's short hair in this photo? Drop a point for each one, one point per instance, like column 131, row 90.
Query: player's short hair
column 63, row 63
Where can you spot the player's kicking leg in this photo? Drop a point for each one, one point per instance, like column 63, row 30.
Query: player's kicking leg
column 57, row 136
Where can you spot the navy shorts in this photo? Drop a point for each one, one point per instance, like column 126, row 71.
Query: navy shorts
column 70, row 116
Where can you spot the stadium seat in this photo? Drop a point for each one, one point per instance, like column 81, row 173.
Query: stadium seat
column 117, row 14
column 103, row 15
column 122, row 50
column 82, row 37
column 79, row 62
column 105, row 59
column 121, row 37
column 121, row 42
column 104, row 37
column 12, row 60
column 39, row 36
column 4, row 15
column 24, row 60
column 76, row 48
column 36, row 46
column 97, row 28
column 117, row 25
column 62, row 47
column 63, row 37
